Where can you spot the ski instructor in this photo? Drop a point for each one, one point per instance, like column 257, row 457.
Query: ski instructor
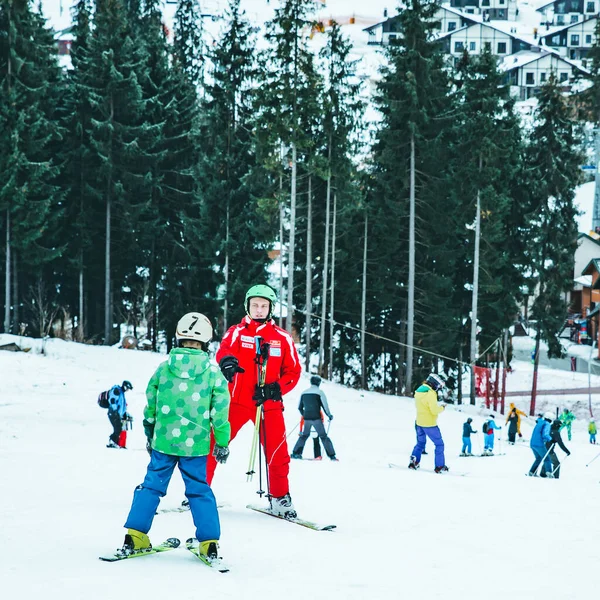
column 428, row 409
column 256, row 352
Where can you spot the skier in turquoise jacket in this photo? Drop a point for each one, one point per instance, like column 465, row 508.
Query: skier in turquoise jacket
column 187, row 398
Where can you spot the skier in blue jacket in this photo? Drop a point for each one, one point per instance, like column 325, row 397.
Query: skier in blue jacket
column 539, row 437
column 488, row 436
column 117, row 412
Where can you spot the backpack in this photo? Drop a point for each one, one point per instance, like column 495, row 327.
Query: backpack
column 103, row 399
column 485, row 427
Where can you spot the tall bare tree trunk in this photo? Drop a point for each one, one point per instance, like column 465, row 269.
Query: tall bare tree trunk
column 363, row 311
column 308, row 274
column 536, row 365
column 16, row 302
column 410, row 325
column 281, row 250
column 325, row 266
column 80, row 322
column 292, row 241
column 107, row 323
column 473, row 356
column 226, row 270
column 332, row 318
column 7, row 290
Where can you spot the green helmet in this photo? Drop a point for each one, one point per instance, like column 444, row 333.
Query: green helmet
column 261, row 291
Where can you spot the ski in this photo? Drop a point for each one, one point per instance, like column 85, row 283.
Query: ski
column 183, row 508
column 121, row 554
column 425, row 470
column 192, row 545
column 296, row 520
column 486, row 455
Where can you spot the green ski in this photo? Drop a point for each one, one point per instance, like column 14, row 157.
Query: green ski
column 121, row 554
column 217, row 563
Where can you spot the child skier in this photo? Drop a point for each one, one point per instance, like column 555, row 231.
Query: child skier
column 187, row 398
column 467, row 431
column 488, row 436
column 567, row 418
column 551, row 445
column 592, row 430
column 428, row 409
column 118, row 415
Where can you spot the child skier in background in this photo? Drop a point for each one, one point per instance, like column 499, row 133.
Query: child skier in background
column 187, row 398
column 118, row 416
column 466, row 436
column 488, row 436
column 567, row 418
column 592, row 430
column 555, row 440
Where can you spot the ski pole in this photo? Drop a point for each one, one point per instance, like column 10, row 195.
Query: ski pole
column 543, row 459
column 267, row 463
column 593, row 459
column 254, row 446
column 558, row 465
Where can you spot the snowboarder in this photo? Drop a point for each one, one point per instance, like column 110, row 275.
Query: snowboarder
column 539, row 437
column 592, row 430
column 428, row 409
column 488, row 436
column 513, row 420
column 567, row 418
column 466, row 437
column 237, row 358
column 118, row 415
column 311, row 402
column 551, row 446
column 187, row 399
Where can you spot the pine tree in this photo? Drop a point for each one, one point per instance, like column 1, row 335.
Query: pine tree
column 554, row 157
column 413, row 100
column 237, row 227
column 29, row 195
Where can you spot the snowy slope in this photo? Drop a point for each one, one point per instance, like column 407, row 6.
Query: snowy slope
column 400, row 534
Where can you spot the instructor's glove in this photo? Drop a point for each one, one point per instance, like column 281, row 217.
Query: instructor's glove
column 229, row 366
column 269, row 391
column 221, row 454
column 331, row 417
column 149, row 446
column 148, row 429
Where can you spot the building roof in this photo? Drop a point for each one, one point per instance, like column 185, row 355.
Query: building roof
column 525, row 57
column 565, row 27
column 593, row 265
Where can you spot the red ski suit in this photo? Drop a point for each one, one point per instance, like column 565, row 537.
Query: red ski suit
column 283, row 367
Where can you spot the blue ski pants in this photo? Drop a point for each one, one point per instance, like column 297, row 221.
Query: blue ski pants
column 434, row 434
column 488, row 441
column 539, row 452
column 467, row 446
column 203, row 505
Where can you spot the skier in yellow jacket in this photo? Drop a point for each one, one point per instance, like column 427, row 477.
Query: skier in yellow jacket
column 428, row 409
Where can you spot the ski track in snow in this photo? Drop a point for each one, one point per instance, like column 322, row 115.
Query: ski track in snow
column 65, row 499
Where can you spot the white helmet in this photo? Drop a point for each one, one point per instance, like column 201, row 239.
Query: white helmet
column 194, row 326
column 549, row 415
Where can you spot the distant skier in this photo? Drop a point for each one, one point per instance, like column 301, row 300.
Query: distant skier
column 567, row 418
column 539, row 437
column 118, row 415
column 187, row 399
column 311, row 402
column 428, row 409
column 555, row 440
column 488, row 436
column 592, row 430
column 466, row 436
column 513, row 420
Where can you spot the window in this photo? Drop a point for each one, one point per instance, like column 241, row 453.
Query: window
column 574, row 6
column 560, row 20
column 472, row 46
column 501, row 2
column 561, row 7
column 555, row 40
column 590, row 7
column 451, row 25
column 487, row 46
column 501, row 47
column 542, row 77
column 485, row 2
column 459, row 46
column 529, row 78
column 392, row 37
column 574, row 19
column 588, row 39
column 563, row 77
column 575, row 39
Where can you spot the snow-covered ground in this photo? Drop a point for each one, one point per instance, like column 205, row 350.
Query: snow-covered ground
column 493, row 533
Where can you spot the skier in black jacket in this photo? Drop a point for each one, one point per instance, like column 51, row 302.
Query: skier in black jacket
column 551, row 445
column 311, row 402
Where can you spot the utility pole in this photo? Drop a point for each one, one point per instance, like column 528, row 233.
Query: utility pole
column 596, row 211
